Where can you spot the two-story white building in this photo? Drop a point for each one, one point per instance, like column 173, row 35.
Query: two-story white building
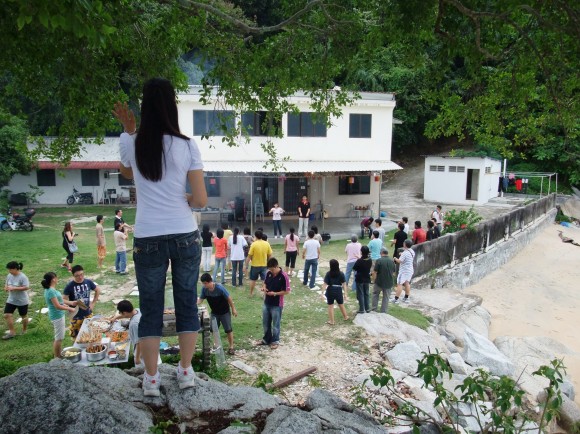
column 339, row 166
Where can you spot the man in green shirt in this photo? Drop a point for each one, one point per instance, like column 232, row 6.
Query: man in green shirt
column 383, row 277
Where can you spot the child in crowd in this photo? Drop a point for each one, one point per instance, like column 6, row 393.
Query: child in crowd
column 221, row 304
column 335, row 287
column 291, row 249
column 127, row 311
column 206, row 248
column 101, row 241
column 277, row 212
column 56, row 307
column 17, row 287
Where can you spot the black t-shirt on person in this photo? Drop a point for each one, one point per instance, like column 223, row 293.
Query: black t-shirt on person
column 363, row 270
column 303, row 207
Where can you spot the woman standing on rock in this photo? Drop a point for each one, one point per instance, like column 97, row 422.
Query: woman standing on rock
column 160, row 158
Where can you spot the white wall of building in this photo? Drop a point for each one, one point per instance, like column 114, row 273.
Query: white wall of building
column 450, row 187
column 335, row 146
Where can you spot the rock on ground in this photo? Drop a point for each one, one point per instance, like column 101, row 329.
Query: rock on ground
column 480, row 351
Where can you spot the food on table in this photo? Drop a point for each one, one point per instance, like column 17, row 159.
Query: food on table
column 121, row 349
column 89, row 337
column 92, row 349
column 70, row 353
column 119, row 336
column 100, row 325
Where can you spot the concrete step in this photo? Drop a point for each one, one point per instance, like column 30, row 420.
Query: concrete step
column 442, row 304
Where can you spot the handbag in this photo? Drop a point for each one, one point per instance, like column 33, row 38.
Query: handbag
column 72, row 247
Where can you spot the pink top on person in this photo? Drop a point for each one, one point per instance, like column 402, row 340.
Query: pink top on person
column 352, row 251
column 292, row 245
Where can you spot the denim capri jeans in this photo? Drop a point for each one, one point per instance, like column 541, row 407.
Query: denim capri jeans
column 152, row 256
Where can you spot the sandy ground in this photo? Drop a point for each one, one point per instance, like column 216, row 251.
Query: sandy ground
column 537, row 293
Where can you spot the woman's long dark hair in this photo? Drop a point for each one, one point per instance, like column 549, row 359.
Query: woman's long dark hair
column 364, row 252
column 236, row 233
column 292, row 233
column 158, row 117
column 334, row 268
column 47, row 279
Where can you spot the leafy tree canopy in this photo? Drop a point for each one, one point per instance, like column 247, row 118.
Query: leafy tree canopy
column 503, row 74
column 13, row 135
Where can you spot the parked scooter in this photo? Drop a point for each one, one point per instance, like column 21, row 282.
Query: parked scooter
column 79, row 198
column 16, row 222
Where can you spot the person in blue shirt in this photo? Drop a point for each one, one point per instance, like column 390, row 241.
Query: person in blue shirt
column 375, row 246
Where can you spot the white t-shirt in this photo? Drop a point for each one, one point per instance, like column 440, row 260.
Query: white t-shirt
column 277, row 213
column 237, row 250
column 311, row 247
column 162, row 206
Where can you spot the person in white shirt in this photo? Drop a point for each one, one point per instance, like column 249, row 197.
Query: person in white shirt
column 236, row 245
column 277, row 212
column 405, row 221
column 311, row 254
column 380, row 229
column 160, row 159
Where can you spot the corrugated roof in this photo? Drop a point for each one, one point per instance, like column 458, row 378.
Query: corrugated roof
column 301, row 166
column 80, row 165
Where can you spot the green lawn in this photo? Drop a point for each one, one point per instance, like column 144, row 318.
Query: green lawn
column 41, row 251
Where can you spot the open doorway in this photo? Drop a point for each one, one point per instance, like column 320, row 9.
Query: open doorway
column 472, row 188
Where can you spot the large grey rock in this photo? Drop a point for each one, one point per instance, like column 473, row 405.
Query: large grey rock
column 458, row 365
column 405, row 356
column 468, row 414
column 191, row 405
column 389, row 327
column 528, row 354
column 323, row 398
column 59, row 397
column 477, row 319
column 357, row 422
column 418, row 389
column 480, row 351
column 290, row 420
column 423, row 408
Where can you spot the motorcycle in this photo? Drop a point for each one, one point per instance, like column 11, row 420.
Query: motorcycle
column 16, row 221
column 80, row 198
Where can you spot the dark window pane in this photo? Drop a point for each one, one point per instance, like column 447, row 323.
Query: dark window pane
column 293, row 125
column 125, row 181
column 200, row 123
column 46, row 178
column 306, row 125
column 212, row 184
column 90, row 177
column 320, row 129
column 360, row 185
column 365, row 126
column 248, row 123
column 353, row 126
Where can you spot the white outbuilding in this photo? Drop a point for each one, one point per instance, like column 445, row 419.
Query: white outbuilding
column 461, row 180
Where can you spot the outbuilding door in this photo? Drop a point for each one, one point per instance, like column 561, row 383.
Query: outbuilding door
column 472, row 188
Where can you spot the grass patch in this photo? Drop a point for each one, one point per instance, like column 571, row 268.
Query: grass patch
column 41, row 251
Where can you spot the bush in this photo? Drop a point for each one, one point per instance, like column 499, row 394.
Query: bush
column 454, row 220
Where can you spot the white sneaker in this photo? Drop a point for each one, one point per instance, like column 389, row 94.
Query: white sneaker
column 151, row 385
column 406, row 300
column 185, row 377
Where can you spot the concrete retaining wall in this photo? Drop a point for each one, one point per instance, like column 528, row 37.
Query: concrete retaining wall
column 473, row 267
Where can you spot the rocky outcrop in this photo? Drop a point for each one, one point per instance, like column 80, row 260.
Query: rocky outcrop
column 59, row 397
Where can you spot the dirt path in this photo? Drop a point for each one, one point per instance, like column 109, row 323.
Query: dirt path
column 537, row 294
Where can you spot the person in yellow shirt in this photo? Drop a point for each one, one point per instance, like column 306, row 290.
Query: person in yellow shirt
column 260, row 252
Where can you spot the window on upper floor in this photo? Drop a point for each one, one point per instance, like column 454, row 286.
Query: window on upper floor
column 360, row 126
column 305, row 124
column 46, row 178
column 212, row 122
column 354, row 185
column 90, row 177
column 488, row 169
column 261, row 124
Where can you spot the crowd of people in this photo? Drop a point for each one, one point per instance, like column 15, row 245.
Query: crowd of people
column 158, row 157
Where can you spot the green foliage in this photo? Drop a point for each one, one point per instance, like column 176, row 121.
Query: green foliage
column 13, row 151
column 505, row 410
column 263, row 381
column 165, row 426
column 454, row 220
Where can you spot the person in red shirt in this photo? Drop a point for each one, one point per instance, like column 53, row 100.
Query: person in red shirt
column 419, row 234
column 221, row 247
